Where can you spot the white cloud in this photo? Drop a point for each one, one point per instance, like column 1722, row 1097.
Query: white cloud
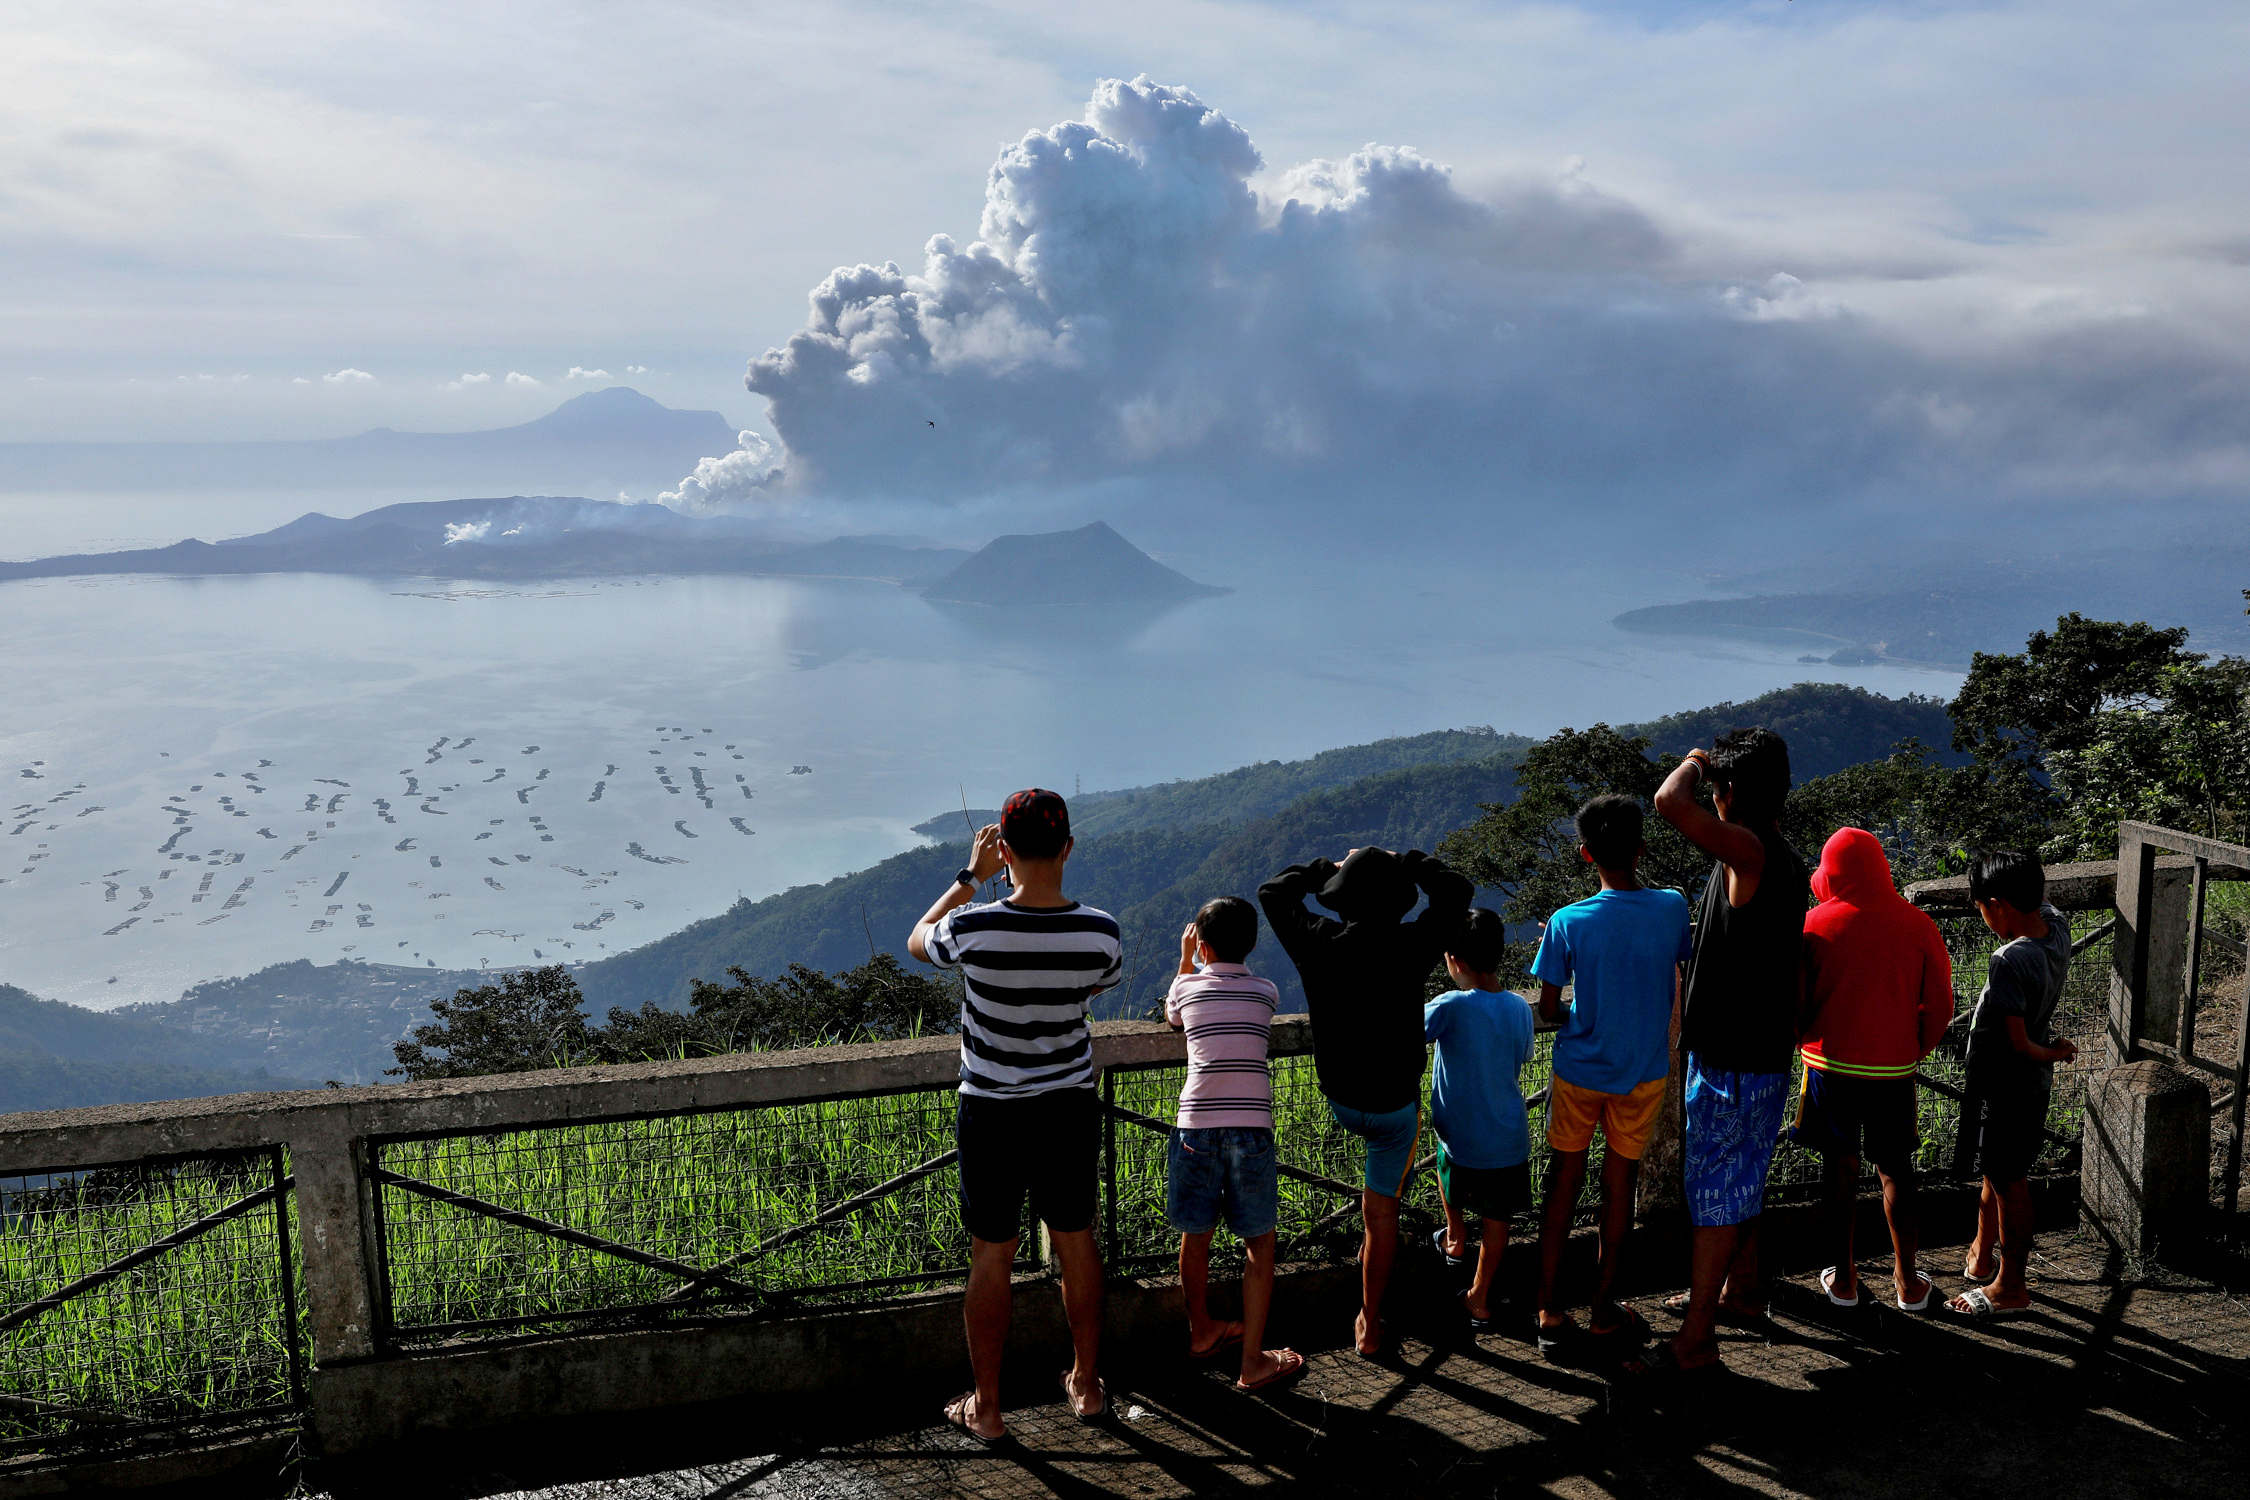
column 347, row 375
column 463, row 531
column 636, row 369
column 750, row 473
column 1145, row 298
column 578, row 374
column 465, row 382
column 517, row 377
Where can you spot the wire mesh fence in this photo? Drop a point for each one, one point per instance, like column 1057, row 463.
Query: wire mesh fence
column 146, row 1302
column 854, row 1200
column 676, row 1215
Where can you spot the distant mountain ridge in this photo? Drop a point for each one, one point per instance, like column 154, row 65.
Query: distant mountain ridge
column 516, row 536
column 606, row 439
column 1092, row 565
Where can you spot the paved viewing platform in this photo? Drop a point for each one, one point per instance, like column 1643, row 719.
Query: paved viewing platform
column 2126, row 1380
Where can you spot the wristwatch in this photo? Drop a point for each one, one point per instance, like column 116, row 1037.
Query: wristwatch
column 965, row 876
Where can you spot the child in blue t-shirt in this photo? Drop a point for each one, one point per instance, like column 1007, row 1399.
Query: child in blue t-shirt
column 1620, row 951
column 1483, row 1037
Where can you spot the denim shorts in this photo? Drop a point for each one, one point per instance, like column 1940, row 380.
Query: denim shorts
column 1229, row 1171
column 1733, row 1125
column 1390, row 1138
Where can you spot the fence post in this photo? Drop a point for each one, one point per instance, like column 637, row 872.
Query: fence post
column 2129, row 955
column 2147, row 1162
column 333, row 1225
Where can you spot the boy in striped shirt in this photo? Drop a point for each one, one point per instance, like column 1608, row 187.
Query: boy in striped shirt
column 1221, row 1157
column 1028, row 1122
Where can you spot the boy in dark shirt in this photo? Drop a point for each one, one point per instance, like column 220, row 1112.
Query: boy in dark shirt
column 2012, row 1057
column 1738, row 1022
column 1363, row 981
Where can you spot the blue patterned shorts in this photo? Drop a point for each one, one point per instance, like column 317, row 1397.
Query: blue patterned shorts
column 1733, row 1124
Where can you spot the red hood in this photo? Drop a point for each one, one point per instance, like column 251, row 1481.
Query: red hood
column 1854, row 870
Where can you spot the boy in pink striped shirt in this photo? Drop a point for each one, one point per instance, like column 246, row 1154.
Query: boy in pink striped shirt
column 1221, row 1154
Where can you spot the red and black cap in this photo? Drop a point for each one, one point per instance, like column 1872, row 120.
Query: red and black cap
column 1036, row 823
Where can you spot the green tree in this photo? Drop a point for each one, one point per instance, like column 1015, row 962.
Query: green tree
column 530, row 1019
column 877, row 1001
column 1529, row 847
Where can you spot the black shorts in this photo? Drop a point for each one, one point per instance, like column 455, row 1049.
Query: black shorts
column 1872, row 1118
column 2002, row 1134
column 1047, row 1145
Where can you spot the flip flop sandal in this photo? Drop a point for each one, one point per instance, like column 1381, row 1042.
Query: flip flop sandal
column 1757, row 1322
column 1477, row 1325
column 1291, row 1369
column 1634, row 1329
column 957, row 1417
column 1660, row 1366
column 1452, row 1262
column 1070, row 1399
column 1929, row 1290
column 1828, row 1285
column 1971, row 1273
column 1556, row 1344
column 1211, row 1355
column 1982, row 1308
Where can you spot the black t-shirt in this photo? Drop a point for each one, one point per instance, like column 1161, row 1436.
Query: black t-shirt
column 1743, row 989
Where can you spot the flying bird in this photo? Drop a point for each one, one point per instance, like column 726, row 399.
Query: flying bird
column 933, row 424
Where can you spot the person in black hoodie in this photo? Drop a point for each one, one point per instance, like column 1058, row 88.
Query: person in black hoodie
column 1364, row 978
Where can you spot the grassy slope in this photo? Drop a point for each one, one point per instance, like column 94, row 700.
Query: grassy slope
column 1224, row 834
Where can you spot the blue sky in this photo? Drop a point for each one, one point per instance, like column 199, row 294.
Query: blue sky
column 242, row 220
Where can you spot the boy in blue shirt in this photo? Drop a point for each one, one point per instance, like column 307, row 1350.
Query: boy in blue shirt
column 1620, row 950
column 1483, row 1037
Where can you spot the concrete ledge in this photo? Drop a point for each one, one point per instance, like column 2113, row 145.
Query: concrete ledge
column 552, row 1096
column 225, row 1467
column 915, row 1343
column 2090, row 885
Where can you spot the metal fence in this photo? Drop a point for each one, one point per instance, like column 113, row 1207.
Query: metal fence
column 147, row 1301
column 653, row 1218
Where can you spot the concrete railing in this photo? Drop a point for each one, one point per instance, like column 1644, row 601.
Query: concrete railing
column 361, row 1390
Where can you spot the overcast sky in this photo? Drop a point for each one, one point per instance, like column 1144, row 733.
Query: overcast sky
column 2011, row 237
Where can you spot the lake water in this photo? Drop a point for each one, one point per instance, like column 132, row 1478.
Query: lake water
column 214, row 774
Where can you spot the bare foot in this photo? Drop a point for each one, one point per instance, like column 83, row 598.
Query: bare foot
column 1695, row 1357
column 1087, row 1395
column 1222, row 1334
column 1369, row 1343
column 964, row 1413
column 1970, row 1270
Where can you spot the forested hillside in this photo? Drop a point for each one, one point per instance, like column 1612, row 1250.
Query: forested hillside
column 57, row 1056
column 1152, row 854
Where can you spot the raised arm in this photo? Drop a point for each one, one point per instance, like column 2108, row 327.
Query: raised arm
column 1282, row 899
column 1731, row 843
column 984, row 863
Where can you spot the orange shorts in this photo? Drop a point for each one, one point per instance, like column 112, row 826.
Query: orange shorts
column 1626, row 1119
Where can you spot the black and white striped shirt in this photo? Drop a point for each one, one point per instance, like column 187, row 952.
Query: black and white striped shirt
column 1026, row 977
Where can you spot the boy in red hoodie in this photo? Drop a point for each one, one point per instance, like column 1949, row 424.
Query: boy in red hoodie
column 1878, row 996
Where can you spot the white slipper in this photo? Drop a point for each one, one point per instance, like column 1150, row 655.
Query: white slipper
column 1828, row 1285
column 1982, row 1307
column 1929, row 1290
